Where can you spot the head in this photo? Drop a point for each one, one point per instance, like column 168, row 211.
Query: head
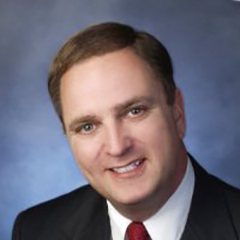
column 113, row 89
column 104, row 38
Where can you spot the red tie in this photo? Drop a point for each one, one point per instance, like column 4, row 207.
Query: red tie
column 137, row 231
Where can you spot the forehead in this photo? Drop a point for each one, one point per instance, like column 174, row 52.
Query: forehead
column 123, row 62
column 107, row 80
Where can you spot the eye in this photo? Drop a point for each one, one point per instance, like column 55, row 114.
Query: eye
column 85, row 128
column 136, row 111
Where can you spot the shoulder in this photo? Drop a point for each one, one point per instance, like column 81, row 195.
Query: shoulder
column 208, row 183
column 231, row 196
column 65, row 203
column 59, row 215
column 215, row 184
column 215, row 201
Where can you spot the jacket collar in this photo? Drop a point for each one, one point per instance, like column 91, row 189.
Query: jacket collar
column 208, row 212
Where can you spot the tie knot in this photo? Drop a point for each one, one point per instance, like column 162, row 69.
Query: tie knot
column 137, row 231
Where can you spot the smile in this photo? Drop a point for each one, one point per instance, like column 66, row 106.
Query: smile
column 128, row 168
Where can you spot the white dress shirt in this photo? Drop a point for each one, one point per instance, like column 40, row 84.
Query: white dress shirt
column 169, row 222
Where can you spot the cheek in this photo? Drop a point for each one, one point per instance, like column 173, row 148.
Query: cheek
column 158, row 134
column 85, row 154
column 152, row 130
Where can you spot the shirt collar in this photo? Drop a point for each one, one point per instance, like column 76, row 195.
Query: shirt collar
column 169, row 222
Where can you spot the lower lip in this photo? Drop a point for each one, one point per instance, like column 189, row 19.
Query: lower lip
column 133, row 173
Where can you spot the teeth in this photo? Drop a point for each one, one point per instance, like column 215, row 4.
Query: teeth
column 127, row 168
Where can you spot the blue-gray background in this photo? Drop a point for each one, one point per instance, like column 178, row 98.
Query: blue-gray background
column 203, row 38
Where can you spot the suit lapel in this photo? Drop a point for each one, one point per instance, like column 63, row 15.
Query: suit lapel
column 98, row 229
column 189, row 234
column 87, row 218
column 208, row 217
column 97, row 225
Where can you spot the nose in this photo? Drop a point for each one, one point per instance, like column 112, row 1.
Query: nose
column 118, row 140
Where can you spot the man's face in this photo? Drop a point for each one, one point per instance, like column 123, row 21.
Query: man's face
column 126, row 139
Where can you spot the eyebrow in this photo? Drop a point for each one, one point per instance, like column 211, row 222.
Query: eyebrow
column 122, row 106
column 117, row 109
column 76, row 121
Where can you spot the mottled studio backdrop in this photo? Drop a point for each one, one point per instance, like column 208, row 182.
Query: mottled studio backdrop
column 203, row 38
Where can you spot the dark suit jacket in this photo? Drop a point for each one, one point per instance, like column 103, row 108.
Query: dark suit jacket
column 82, row 214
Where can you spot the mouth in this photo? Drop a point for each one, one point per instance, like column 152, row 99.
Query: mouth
column 129, row 167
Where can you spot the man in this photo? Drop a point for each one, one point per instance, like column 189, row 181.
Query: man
column 113, row 89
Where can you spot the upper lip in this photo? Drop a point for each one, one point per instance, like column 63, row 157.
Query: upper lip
column 128, row 163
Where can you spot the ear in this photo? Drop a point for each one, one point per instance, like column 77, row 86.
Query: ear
column 179, row 114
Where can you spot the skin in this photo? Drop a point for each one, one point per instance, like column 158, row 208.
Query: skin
column 124, row 136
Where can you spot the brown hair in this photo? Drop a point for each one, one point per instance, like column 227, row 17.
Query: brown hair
column 104, row 38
